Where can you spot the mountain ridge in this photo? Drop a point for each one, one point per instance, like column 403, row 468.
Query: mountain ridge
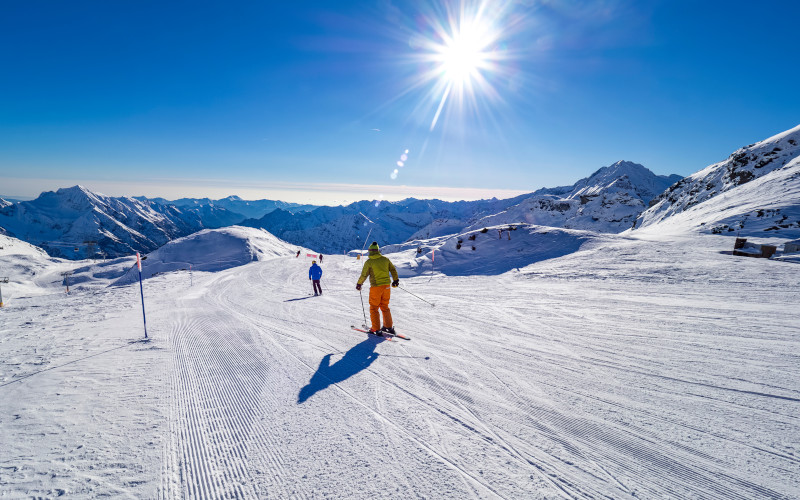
column 62, row 221
column 757, row 189
column 607, row 201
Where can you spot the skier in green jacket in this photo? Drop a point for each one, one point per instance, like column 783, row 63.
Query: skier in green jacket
column 381, row 274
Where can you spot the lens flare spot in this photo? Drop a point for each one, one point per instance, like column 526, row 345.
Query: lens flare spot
column 403, row 157
column 400, row 163
column 394, row 174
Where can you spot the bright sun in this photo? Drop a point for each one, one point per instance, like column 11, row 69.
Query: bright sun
column 464, row 52
column 463, row 55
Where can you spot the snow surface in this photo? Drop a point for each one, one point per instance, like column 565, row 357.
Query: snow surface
column 648, row 366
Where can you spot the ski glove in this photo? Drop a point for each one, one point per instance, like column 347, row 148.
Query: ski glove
column 358, row 286
column 395, row 283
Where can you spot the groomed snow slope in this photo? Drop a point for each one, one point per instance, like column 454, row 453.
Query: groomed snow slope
column 629, row 369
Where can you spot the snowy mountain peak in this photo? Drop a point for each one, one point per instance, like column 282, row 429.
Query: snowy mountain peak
column 621, row 167
column 624, row 175
column 75, row 198
column 641, row 181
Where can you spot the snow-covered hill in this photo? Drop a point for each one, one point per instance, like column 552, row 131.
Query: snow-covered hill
column 489, row 251
column 639, row 181
column 213, row 250
column 62, row 221
column 755, row 191
column 21, row 261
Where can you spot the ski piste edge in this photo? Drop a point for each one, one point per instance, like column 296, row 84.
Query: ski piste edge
column 387, row 337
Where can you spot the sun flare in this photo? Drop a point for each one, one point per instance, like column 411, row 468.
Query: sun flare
column 464, row 55
column 464, row 49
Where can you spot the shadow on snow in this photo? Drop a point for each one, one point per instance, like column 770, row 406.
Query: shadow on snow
column 300, row 298
column 358, row 358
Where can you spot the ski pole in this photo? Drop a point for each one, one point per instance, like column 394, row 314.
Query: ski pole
column 362, row 306
column 417, row 296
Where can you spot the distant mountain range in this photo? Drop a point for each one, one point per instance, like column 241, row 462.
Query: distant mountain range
column 64, row 221
column 248, row 209
column 754, row 191
column 607, row 201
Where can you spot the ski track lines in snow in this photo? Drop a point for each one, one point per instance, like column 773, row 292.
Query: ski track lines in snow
column 221, row 386
column 500, row 396
column 598, row 375
column 398, row 430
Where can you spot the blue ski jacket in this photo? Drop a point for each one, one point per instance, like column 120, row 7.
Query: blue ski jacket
column 314, row 272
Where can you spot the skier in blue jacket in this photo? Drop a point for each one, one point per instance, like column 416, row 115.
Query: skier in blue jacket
column 315, row 274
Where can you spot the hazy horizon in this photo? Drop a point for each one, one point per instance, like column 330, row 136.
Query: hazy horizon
column 314, row 194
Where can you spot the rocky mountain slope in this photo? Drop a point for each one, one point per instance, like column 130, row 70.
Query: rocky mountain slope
column 608, row 201
column 756, row 190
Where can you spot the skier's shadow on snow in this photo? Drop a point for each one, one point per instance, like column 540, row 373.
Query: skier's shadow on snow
column 300, row 298
column 358, row 358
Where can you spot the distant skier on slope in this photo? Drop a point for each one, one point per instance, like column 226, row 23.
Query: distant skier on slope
column 315, row 274
column 320, row 258
column 381, row 273
column 298, row 254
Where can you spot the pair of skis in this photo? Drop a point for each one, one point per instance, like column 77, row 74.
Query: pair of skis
column 386, row 335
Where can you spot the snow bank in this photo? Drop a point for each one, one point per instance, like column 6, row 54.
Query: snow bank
column 212, row 250
column 32, row 272
column 22, row 263
column 495, row 251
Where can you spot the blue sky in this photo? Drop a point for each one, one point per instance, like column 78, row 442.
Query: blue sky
column 317, row 101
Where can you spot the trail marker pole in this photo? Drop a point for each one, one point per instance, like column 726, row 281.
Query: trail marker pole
column 2, row 280
column 433, row 257
column 141, row 291
column 66, row 276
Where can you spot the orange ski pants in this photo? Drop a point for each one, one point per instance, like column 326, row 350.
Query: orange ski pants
column 379, row 299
